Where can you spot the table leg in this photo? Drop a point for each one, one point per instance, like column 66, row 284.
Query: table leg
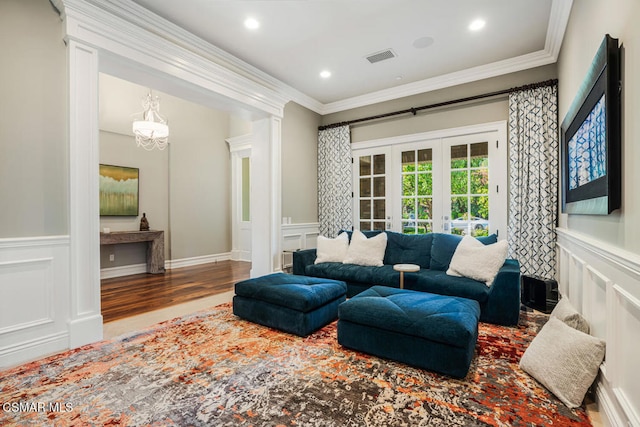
column 402, row 280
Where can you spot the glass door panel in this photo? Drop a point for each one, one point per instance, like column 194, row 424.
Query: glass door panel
column 371, row 191
column 469, row 188
column 417, row 191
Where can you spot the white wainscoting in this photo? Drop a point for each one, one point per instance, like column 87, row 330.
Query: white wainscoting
column 34, row 298
column 603, row 283
column 300, row 236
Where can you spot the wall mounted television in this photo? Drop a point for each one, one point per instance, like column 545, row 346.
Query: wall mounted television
column 591, row 138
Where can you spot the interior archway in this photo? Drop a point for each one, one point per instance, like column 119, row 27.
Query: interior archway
column 117, row 43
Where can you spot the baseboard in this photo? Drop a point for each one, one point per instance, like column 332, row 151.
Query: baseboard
column 125, row 270
column 238, row 255
column 610, row 414
column 189, row 262
column 85, row 330
column 20, row 353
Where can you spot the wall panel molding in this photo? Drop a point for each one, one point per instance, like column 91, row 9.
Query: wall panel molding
column 618, row 258
column 603, row 282
column 300, row 236
column 28, row 281
column 34, row 297
column 626, row 317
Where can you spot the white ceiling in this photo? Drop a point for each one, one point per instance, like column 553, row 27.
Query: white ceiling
column 299, row 38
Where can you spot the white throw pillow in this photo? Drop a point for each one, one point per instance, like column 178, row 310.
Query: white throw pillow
column 569, row 315
column 564, row 360
column 363, row 251
column 478, row 261
column 332, row 250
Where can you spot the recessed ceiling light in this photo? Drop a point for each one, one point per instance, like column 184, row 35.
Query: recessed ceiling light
column 325, row 74
column 251, row 23
column 477, row 24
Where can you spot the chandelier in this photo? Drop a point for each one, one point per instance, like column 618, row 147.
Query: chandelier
column 152, row 131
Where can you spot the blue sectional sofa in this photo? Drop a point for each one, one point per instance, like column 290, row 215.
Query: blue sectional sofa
column 499, row 303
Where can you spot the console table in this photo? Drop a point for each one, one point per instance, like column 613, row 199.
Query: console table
column 155, row 247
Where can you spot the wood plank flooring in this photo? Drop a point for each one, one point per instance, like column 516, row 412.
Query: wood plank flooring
column 130, row 295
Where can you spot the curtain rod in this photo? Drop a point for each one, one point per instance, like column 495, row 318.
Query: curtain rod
column 415, row 110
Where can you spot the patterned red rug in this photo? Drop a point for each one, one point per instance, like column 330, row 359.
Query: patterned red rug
column 213, row 369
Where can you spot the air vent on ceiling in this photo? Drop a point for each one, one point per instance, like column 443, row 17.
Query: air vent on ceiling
column 381, row 56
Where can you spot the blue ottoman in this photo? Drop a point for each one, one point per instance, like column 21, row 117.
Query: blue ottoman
column 296, row 304
column 433, row 332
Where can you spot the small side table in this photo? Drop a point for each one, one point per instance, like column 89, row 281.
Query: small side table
column 408, row 268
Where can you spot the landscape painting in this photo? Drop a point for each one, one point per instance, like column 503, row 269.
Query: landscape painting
column 118, row 191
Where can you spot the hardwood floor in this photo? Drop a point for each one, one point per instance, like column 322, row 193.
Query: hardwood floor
column 130, row 295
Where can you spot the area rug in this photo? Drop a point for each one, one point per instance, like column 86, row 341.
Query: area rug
column 214, row 369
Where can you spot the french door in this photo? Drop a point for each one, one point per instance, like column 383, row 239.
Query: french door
column 418, row 196
column 454, row 184
column 372, row 175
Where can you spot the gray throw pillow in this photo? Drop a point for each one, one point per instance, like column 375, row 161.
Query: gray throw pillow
column 564, row 360
column 565, row 312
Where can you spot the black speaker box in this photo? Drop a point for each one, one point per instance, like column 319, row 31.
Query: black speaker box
column 539, row 294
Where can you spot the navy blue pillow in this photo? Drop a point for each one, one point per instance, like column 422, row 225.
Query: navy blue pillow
column 408, row 249
column 444, row 246
column 368, row 234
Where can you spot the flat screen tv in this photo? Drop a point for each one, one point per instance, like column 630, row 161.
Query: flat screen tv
column 591, row 138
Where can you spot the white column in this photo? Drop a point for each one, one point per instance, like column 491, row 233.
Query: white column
column 276, row 193
column 266, row 197
column 85, row 319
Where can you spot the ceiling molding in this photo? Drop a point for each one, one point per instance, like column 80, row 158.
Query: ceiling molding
column 481, row 72
column 129, row 31
column 239, row 143
column 558, row 19
column 176, row 34
column 236, row 69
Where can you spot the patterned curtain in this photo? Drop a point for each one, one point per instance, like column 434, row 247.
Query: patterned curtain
column 334, row 181
column 533, row 174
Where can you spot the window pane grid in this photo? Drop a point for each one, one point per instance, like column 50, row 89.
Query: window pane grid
column 469, row 189
column 417, row 191
column 372, row 193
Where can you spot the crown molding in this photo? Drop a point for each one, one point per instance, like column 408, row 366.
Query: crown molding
column 180, row 36
column 130, row 31
column 262, row 87
column 239, row 143
column 558, row 19
column 495, row 69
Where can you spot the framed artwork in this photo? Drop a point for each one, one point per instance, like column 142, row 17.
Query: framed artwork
column 119, row 190
column 591, row 138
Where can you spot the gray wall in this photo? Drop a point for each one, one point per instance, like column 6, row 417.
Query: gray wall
column 120, row 150
column 33, row 140
column 200, row 181
column 442, row 118
column 300, row 163
column 184, row 189
column 590, row 21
